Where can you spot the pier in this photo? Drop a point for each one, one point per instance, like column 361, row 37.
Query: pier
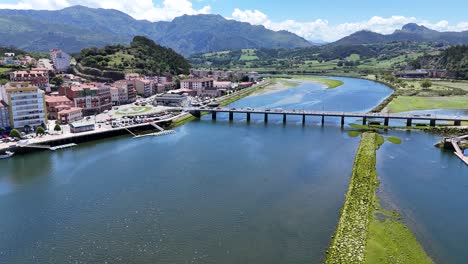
column 458, row 151
column 385, row 118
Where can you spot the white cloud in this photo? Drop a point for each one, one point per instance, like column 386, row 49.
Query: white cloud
column 142, row 9
column 322, row 30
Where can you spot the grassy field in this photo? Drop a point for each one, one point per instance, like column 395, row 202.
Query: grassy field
column 248, row 55
column 455, row 84
column 411, row 103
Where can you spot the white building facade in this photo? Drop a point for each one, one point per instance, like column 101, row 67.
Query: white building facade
column 26, row 105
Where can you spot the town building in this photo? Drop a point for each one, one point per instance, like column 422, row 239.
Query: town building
column 115, row 95
column 127, row 91
column 131, row 76
column 55, row 104
column 93, row 98
column 37, row 77
column 422, row 73
column 170, row 100
column 4, row 115
column 209, row 92
column 223, row 85
column 203, row 86
column 253, row 76
column 79, row 127
column 143, row 87
column 163, row 87
column 60, row 60
column 26, row 103
column 70, row 115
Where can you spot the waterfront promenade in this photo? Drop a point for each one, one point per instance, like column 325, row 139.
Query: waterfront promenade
column 54, row 139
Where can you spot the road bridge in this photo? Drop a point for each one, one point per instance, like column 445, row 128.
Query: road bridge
column 386, row 118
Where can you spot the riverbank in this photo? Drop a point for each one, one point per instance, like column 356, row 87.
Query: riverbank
column 366, row 233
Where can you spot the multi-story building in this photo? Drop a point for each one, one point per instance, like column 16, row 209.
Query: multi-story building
column 70, row 115
column 37, row 77
column 93, row 98
column 197, row 84
column 60, row 60
column 203, row 87
column 127, row 91
column 4, row 115
column 26, row 103
column 143, row 87
column 115, row 99
column 55, row 104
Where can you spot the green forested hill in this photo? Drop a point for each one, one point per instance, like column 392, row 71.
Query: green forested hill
column 454, row 59
column 142, row 55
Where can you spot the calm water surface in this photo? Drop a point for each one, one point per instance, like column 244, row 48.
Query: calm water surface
column 220, row 192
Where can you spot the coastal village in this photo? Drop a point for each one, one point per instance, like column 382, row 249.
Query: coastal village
column 75, row 105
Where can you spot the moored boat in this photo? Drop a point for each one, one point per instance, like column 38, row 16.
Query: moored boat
column 7, row 155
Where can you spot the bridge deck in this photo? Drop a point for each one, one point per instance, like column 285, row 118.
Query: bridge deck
column 329, row 113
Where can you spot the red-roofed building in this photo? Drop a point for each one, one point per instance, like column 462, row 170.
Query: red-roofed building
column 36, row 77
column 70, row 115
column 93, row 98
column 55, row 104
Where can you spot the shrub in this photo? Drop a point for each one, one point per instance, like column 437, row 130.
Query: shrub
column 15, row 133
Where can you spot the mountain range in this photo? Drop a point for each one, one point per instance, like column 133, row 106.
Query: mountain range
column 409, row 32
column 77, row 27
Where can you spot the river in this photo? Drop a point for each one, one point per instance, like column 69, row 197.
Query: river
column 219, row 192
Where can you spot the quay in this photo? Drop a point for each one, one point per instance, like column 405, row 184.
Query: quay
column 55, row 142
column 433, row 119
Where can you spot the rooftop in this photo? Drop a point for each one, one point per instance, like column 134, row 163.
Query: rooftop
column 56, row 99
column 71, row 110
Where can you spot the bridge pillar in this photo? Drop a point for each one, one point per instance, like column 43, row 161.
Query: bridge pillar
column 248, row 117
column 213, row 115
column 457, row 123
column 432, row 123
column 266, row 118
column 323, row 120
column 231, row 116
column 409, row 122
column 284, row 118
column 364, row 120
column 386, row 121
column 342, row 121
column 196, row 114
column 303, row 119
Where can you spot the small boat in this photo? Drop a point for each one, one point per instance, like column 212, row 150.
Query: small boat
column 7, row 155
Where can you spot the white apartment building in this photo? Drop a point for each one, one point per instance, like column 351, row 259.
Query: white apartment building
column 26, row 103
column 60, row 59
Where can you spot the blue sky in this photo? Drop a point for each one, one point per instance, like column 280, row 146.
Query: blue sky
column 340, row 11
column 314, row 20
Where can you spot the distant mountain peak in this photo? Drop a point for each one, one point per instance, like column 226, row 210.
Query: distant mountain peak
column 415, row 28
